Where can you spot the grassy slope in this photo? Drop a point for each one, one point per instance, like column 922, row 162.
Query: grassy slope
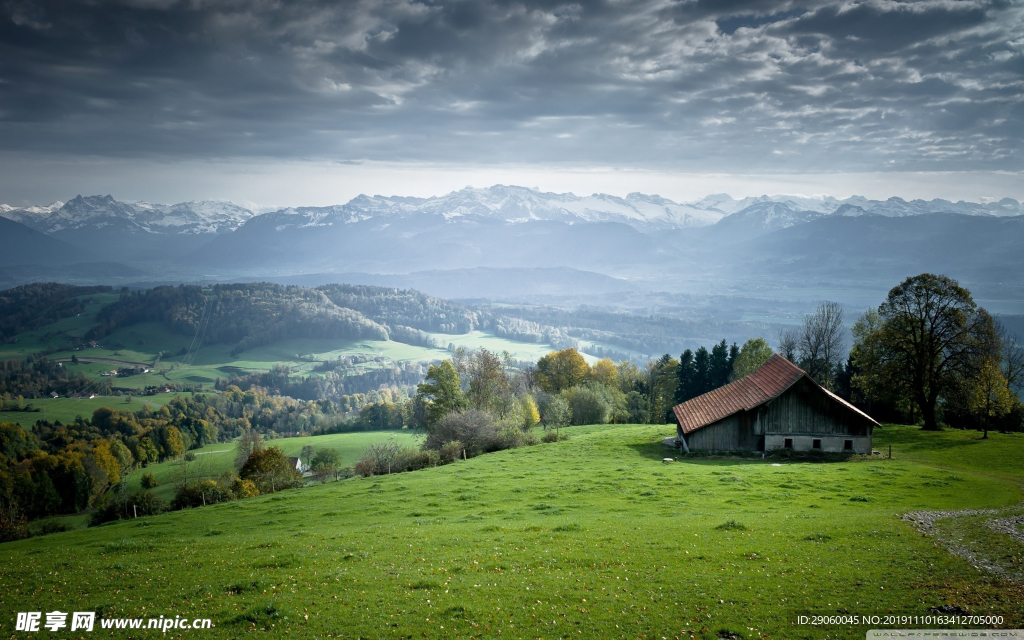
column 142, row 342
column 594, row 537
column 213, row 460
column 65, row 409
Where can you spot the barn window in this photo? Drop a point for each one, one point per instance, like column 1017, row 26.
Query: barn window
column 816, row 444
column 789, row 443
column 848, row 445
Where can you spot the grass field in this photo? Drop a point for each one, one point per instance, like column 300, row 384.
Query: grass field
column 213, row 460
column 65, row 409
column 142, row 342
column 595, row 537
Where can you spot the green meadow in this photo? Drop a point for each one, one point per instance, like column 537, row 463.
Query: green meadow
column 141, row 343
column 594, row 537
column 66, row 409
column 214, row 459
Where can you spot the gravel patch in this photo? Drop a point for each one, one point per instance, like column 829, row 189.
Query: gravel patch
column 1011, row 526
column 924, row 521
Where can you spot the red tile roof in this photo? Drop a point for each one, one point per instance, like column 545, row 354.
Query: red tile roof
column 767, row 383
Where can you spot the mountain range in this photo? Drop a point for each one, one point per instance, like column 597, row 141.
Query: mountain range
column 760, row 241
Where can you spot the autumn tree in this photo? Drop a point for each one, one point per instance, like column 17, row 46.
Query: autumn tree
column 992, row 398
column 560, row 370
column 528, row 409
column 605, row 372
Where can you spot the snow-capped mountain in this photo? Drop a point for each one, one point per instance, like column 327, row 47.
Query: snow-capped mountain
column 98, row 212
column 514, row 205
column 509, row 204
column 859, row 205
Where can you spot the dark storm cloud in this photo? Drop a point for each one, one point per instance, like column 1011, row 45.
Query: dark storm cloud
column 702, row 85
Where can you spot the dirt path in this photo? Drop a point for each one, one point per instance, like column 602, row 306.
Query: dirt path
column 983, row 559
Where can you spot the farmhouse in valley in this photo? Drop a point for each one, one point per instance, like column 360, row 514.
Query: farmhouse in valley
column 297, row 464
column 777, row 407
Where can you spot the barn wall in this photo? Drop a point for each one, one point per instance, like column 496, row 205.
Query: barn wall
column 830, row 444
column 806, row 409
column 735, row 433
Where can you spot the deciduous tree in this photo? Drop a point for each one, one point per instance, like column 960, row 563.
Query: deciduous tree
column 755, row 352
column 441, row 392
column 932, row 336
column 561, row 370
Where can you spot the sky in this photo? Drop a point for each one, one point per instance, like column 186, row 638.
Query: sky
column 312, row 102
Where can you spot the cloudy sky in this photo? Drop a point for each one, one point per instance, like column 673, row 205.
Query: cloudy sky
column 309, row 102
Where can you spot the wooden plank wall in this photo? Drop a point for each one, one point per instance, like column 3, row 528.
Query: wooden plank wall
column 735, row 433
column 805, row 409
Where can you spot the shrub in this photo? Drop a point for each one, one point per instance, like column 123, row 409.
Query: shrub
column 383, row 456
column 49, row 527
column 450, row 452
column 140, row 503
column 475, row 430
column 512, row 436
column 199, row 494
column 13, row 527
column 244, row 489
column 554, row 436
column 365, row 468
column 412, row 460
column 555, row 412
column 148, row 480
column 589, row 404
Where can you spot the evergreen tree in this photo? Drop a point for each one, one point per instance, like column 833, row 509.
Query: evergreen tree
column 702, row 372
column 687, row 375
column 720, row 366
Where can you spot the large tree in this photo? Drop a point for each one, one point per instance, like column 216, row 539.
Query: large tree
column 560, row 370
column 441, row 392
column 931, row 336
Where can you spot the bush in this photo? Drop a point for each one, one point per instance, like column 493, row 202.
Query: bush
column 244, row 489
column 12, row 527
column 384, row 456
column 413, row 460
column 475, row 430
column 200, row 494
column 140, row 503
column 512, row 437
column 450, row 452
column 554, row 436
column 589, row 404
column 555, row 412
column 148, row 480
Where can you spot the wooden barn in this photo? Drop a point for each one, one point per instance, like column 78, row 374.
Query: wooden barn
column 777, row 407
